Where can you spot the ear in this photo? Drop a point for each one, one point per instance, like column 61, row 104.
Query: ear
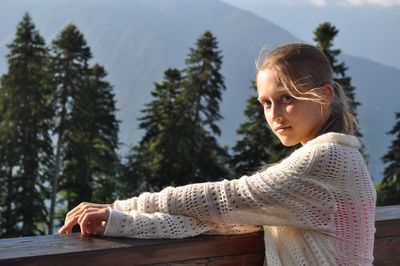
column 327, row 91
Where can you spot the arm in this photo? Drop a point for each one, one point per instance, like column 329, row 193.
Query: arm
column 162, row 225
column 285, row 194
column 101, row 219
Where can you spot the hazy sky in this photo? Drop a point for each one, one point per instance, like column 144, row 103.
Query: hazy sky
column 367, row 28
column 386, row 3
column 356, row 2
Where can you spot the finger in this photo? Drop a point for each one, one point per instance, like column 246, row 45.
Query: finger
column 75, row 216
column 88, row 221
column 63, row 230
column 85, row 223
column 86, row 212
column 68, row 225
column 90, row 224
column 77, row 210
column 99, row 230
column 74, row 219
column 92, row 221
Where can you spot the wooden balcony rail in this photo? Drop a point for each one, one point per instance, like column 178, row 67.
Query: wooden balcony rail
column 248, row 249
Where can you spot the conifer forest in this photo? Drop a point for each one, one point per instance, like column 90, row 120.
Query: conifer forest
column 59, row 130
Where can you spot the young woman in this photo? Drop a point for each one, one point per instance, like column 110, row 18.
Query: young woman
column 316, row 207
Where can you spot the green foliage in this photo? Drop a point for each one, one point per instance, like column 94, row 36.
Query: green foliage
column 60, row 93
column 204, row 83
column 101, row 127
column 63, row 94
column 70, row 73
column 165, row 154
column 25, row 144
column 163, row 146
column 203, row 88
column 133, row 173
column 389, row 188
column 87, row 129
column 258, row 146
column 180, row 124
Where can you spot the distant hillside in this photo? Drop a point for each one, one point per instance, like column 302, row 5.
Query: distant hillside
column 137, row 40
column 363, row 29
column 379, row 96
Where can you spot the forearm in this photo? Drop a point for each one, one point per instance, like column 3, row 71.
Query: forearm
column 147, row 203
column 278, row 196
column 162, row 225
column 125, row 205
column 215, row 202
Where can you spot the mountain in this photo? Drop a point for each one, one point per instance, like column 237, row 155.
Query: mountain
column 366, row 29
column 379, row 97
column 137, row 40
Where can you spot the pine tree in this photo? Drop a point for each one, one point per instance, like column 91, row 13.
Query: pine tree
column 8, row 159
column 258, row 146
column 70, row 71
column 160, row 157
column 324, row 35
column 89, row 135
column 26, row 152
column 96, row 106
column 203, row 89
column 205, row 83
column 179, row 145
column 132, row 175
column 389, row 189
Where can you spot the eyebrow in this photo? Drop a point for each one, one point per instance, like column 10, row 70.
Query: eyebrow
column 279, row 92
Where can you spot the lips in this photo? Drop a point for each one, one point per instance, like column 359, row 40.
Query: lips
column 281, row 129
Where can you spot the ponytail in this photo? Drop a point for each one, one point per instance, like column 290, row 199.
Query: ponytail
column 341, row 120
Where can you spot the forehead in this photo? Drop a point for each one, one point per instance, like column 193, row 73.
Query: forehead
column 267, row 84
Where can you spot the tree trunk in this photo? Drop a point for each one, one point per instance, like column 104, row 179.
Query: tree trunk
column 54, row 189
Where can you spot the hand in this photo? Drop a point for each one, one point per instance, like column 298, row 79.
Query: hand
column 91, row 217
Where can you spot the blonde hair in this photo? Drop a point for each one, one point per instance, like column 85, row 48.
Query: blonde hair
column 303, row 69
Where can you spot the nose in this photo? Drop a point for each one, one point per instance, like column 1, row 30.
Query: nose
column 275, row 113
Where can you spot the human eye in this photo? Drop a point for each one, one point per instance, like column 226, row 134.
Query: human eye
column 266, row 103
column 286, row 99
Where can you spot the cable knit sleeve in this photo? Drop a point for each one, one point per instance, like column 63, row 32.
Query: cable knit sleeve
column 285, row 194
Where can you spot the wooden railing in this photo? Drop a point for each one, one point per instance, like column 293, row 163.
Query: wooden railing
column 387, row 236
column 74, row 250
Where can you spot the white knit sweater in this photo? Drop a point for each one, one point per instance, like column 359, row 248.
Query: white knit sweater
column 316, row 207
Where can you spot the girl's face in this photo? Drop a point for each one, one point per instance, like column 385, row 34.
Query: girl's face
column 293, row 121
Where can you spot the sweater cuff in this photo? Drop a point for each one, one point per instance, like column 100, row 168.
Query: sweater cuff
column 116, row 223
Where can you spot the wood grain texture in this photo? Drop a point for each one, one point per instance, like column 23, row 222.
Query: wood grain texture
column 387, row 213
column 67, row 249
column 248, row 249
column 387, row 251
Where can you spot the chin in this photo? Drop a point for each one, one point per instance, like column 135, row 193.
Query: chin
column 288, row 142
